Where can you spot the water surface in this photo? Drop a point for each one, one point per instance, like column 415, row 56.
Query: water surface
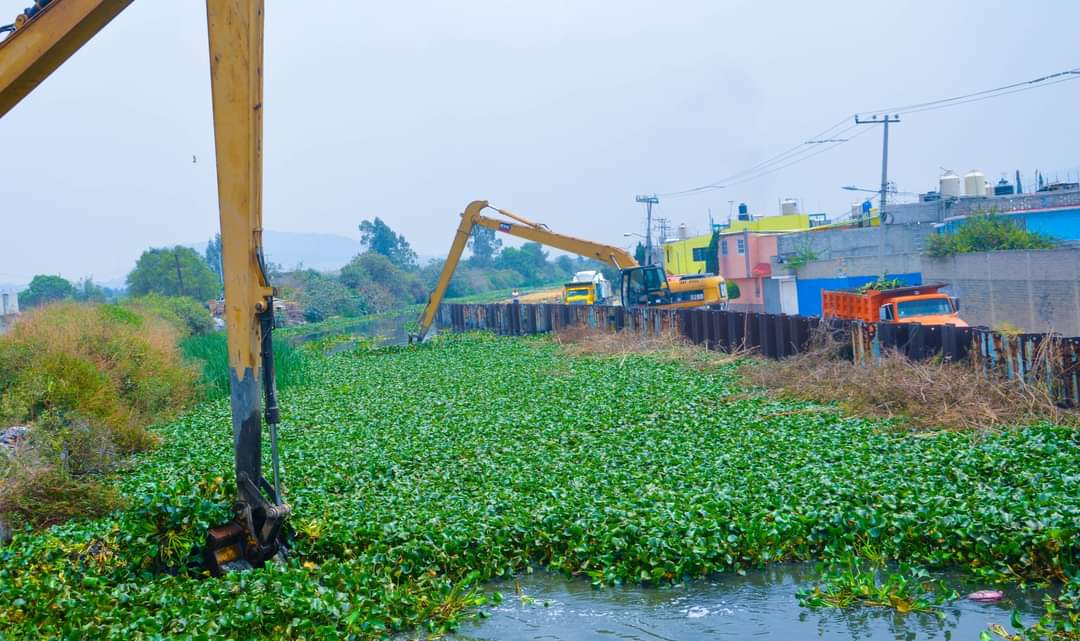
column 760, row 605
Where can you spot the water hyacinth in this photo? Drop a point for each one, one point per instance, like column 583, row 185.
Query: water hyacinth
column 417, row 473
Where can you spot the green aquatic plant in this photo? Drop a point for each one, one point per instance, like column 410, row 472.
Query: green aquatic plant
column 415, row 474
column 852, row 580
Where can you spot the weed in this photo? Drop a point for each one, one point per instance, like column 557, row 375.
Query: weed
column 928, row 394
column 212, row 353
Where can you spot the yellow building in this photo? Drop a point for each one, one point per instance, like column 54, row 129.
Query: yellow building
column 688, row 256
column 781, row 223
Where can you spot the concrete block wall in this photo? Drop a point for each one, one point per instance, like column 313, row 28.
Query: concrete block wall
column 857, row 241
column 1036, row 291
column 843, row 267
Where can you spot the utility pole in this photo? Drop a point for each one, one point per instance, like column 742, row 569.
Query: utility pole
column 179, row 276
column 649, row 200
column 884, row 121
column 663, row 230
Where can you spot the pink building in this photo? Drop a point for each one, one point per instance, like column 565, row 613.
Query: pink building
column 745, row 260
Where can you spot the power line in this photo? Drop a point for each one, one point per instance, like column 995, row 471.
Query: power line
column 1034, row 83
column 796, row 149
column 817, row 152
column 830, row 138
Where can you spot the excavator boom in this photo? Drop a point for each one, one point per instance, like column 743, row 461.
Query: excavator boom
column 41, row 42
column 522, row 228
column 641, row 285
column 46, row 35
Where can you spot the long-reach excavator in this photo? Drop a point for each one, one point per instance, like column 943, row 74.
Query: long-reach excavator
column 641, row 285
column 40, row 40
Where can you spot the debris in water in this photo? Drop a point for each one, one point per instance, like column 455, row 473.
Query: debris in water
column 986, row 596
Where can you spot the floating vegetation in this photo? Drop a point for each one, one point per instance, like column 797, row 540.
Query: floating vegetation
column 417, row 473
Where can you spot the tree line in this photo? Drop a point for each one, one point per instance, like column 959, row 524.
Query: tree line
column 384, row 275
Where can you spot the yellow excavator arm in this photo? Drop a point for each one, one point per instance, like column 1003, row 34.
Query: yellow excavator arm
column 40, row 40
column 522, row 228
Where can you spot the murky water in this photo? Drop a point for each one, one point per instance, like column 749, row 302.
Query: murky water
column 389, row 330
column 760, row 605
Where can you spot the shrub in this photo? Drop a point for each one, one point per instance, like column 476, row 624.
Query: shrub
column 114, row 367
column 322, row 293
column 187, row 315
column 987, row 232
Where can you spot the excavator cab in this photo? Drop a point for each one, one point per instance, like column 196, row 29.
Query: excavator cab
column 646, row 285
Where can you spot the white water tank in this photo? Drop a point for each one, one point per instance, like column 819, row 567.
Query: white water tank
column 949, row 185
column 684, row 232
column 789, row 206
column 974, row 183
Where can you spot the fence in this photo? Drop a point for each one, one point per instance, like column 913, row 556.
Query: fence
column 1047, row 359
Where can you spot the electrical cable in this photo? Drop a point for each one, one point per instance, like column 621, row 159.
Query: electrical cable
column 1061, row 76
column 796, row 154
column 781, row 157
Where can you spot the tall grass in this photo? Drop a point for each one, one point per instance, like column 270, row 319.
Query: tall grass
column 89, row 379
column 211, row 350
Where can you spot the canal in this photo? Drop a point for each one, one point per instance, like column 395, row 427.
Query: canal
column 760, row 605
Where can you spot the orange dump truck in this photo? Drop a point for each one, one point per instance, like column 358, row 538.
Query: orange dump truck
column 917, row 304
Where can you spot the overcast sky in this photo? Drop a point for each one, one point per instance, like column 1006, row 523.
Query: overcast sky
column 560, row 110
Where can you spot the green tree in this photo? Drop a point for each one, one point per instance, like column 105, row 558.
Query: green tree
column 639, row 253
column 377, row 237
column 530, row 261
column 322, row 296
column 485, row 246
column 179, row 271
column 44, row 289
column 89, row 291
column 213, row 257
column 987, row 232
column 382, row 283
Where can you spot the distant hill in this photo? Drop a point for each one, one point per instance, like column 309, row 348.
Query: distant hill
column 323, row 252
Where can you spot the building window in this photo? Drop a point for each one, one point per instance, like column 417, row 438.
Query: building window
column 701, row 254
column 723, row 246
column 740, row 246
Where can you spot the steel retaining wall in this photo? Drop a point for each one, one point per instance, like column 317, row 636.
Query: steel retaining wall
column 1046, row 359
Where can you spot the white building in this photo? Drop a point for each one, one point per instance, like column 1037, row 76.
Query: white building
column 9, row 302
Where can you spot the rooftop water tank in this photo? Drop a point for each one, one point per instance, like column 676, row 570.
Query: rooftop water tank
column 974, row 183
column 1003, row 188
column 949, row 185
column 684, row 233
column 744, row 212
column 789, row 206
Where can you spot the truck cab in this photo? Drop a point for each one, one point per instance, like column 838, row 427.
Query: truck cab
column 588, row 287
column 923, row 304
column 929, row 309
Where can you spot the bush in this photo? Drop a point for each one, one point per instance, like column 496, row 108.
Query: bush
column 383, row 284
column 324, row 294
column 113, row 367
column 987, row 232
column 187, row 315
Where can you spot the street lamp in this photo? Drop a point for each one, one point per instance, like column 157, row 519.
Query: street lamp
column 627, row 234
